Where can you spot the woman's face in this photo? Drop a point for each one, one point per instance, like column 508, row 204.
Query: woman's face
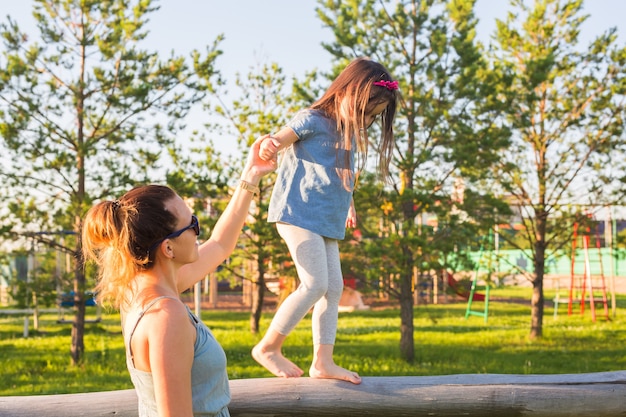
column 185, row 246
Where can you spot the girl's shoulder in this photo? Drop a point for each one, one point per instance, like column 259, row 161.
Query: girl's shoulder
column 312, row 114
column 310, row 119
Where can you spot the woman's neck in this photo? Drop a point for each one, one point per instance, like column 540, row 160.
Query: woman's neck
column 152, row 284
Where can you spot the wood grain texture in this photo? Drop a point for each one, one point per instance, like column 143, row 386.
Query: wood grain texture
column 482, row 395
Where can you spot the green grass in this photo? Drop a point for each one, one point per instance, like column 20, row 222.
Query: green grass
column 367, row 342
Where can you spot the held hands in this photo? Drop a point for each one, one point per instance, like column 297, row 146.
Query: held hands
column 256, row 165
column 269, row 148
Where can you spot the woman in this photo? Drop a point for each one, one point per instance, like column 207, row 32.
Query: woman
column 145, row 246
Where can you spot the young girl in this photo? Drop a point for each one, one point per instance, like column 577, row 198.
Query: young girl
column 145, row 246
column 312, row 204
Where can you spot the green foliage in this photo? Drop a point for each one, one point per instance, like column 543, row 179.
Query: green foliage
column 85, row 113
column 527, row 123
column 533, row 122
column 565, row 110
column 565, row 103
column 447, row 132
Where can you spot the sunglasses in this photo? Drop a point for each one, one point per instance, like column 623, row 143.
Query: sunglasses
column 195, row 225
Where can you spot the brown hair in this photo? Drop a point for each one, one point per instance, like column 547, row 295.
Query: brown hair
column 355, row 83
column 118, row 236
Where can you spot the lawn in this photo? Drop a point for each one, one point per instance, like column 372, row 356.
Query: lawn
column 367, row 342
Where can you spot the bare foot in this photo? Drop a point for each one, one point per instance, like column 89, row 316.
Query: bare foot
column 276, row 363
column 334, row 372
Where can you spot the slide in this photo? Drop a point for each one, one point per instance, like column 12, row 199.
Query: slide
column 462, row 291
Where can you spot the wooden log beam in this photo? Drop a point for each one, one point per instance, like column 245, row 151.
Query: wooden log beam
column 484, row 395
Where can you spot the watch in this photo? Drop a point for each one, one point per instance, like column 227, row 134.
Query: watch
column 245, row 185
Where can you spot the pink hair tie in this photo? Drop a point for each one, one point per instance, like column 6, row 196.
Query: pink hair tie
column 389, row 85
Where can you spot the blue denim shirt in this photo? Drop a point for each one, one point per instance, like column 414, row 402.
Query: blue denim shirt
column 309, row 193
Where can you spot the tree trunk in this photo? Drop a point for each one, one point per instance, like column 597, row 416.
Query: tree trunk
column 407, row 344
column 258, row 294
column 78, row 325
column 537, row 300
column 77, row 348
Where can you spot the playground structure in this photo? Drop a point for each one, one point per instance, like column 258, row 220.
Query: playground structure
column 481, row 395
column 66, row 301
column 585, row 284
column 475, row 296
column 591, row 251
column 484, row 261
column 428, row 287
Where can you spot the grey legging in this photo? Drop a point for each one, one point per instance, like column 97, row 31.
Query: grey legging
column 321, row 283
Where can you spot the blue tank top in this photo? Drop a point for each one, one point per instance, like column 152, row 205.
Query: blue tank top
column 209, row 380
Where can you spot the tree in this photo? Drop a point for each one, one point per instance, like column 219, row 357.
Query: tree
column 262, row 105
column 446, row 128
column 567, row 114
column 84, row 113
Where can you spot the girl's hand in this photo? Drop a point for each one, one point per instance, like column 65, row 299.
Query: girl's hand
column 256, row 165
column 269, row 148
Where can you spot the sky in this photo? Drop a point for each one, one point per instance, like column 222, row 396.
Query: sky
column 287, row 32
column 284, row 31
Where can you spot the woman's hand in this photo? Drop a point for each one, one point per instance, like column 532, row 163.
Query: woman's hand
column 228, row 227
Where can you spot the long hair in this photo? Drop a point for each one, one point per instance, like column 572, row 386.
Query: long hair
column 355, row 88
column 118, row 236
